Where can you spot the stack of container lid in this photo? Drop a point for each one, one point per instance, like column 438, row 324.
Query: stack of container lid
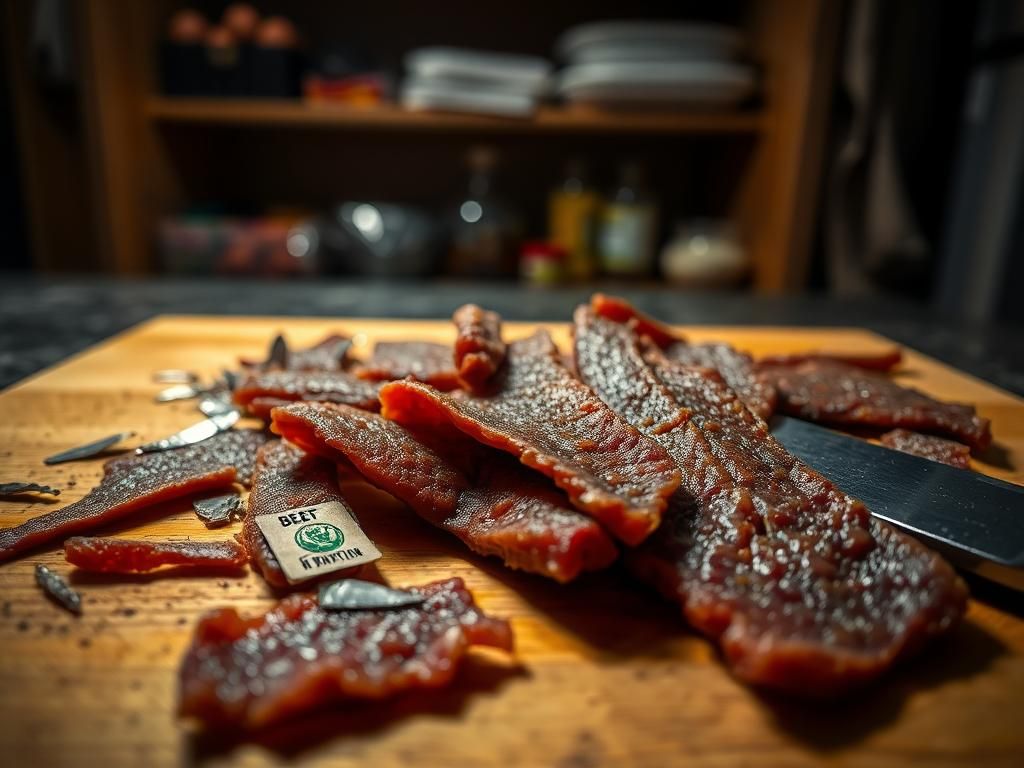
column 661, row 64
column 465, row 80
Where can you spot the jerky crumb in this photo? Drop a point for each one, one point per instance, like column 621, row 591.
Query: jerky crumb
column 23, row 626
column 128, row 612
column 6, row 609
column 85, row 642
column 182, row 621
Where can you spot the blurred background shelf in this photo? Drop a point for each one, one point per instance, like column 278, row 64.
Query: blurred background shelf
column 270, row 112
column 125, row 158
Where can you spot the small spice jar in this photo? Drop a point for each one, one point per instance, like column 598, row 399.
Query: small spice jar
column 542, row 263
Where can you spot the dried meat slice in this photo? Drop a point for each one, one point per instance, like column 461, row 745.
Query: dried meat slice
column 251, row 672
column 423, row 361
column 133, row 482
column 286, row 477
column 328, row 354
column 928, row 447
column 553, row 423
column 621, row 311
column 256, row 390
column 735, row 367
column 881, row 361
column 492, row 503
column 844, row 395
column 109, row 555
column 802, row 588
column 479, row 350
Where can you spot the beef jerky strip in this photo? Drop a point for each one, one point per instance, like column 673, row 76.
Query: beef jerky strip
column 737, row 368
column 556, row 425
column 928, row 447
column 299, row 656
column 423, row 361
column 286, row 477
column 109, row 555
column 487, row 499
column 260, row 407
column 479, row 350
column 328, row 354
column 133, row 482
column 882, row 361
column 843, row 395
column 621, row 311
column 314, row 386
column 802, row 588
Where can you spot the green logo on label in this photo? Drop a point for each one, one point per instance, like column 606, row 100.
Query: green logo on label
column 319, row 537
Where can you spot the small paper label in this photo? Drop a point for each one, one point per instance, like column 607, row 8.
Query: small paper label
column 311, row 541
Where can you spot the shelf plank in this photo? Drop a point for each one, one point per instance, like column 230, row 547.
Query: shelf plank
column 392, row 117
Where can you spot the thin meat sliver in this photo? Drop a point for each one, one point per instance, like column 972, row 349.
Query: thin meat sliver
column 491, row 502
column 803, row 589
column 299, row 656
column 556, row 425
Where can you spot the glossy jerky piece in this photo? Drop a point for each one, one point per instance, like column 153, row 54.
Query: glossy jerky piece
column 882, row 361
column 735, row 367
column 479, row 350
column 621, row 311
column 286, row 477
column 110, row 555
column 299, row 657
column 928, row 447
column 13, row 489
column 802, row 588
column 556, row 425
column 328, row 354
column 217, row 511
column 58, row 590
column 260, row 407
column 423, row 361
column 487, row 499
column 844, row 395
column 134, row 482
column 310, row 386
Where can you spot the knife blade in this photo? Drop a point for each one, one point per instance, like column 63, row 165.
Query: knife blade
column 358, row 595
column 198, row 432
column 976, row 521
column 87, row 450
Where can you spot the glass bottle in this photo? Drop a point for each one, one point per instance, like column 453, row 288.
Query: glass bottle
column 629, row 219
column 573, row 210
column 486, row 231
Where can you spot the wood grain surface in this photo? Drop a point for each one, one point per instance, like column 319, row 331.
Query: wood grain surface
column 605, row 673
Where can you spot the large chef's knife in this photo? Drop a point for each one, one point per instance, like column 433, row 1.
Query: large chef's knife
column 975, row 520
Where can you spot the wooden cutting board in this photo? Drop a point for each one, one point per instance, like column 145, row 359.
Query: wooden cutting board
column 605, row 673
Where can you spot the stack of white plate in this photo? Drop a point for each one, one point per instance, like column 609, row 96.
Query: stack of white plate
column 653, row 63
column 464, row 80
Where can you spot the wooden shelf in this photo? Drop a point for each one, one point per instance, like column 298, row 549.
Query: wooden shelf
column 392, row 117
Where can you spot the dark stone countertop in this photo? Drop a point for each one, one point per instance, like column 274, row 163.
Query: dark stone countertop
column 44, row 320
